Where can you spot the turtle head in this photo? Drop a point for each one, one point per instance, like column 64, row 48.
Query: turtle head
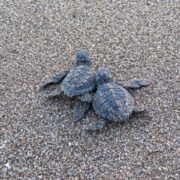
column 103, row 75
column 82, row 58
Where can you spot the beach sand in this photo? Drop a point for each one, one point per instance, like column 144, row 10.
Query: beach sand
column 38, row 138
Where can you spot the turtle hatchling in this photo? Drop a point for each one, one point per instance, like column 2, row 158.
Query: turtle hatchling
column 77, row 82
column 112, row 101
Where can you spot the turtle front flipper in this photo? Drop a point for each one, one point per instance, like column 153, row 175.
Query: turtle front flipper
column 80, row 111
column 97, row 126
column 88, row 97
column 134, row 84
column 55, row 79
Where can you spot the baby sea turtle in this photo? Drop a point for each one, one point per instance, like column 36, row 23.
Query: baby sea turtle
column 112, row 101
column 77, row 82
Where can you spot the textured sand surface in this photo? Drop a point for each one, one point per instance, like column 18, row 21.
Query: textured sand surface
column 38, row 139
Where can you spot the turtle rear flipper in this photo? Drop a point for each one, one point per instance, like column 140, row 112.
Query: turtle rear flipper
column 88, row 97
column 80, row 111
column 134, row 84
column 139, row 110
column 55, row 79
column 97, row 126
column 54, row 94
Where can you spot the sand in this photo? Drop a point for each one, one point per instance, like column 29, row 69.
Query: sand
column 134, row 39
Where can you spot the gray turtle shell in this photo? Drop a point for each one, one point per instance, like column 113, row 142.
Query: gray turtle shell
column 79, row 80
column 113, row 102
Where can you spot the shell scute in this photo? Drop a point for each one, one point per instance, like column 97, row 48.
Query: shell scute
column 113, row 102
column 80, row 80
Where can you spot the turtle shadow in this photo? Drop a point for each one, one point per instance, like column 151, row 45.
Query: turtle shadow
column 135, row 121
column 59, row 101
column 139, row 120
